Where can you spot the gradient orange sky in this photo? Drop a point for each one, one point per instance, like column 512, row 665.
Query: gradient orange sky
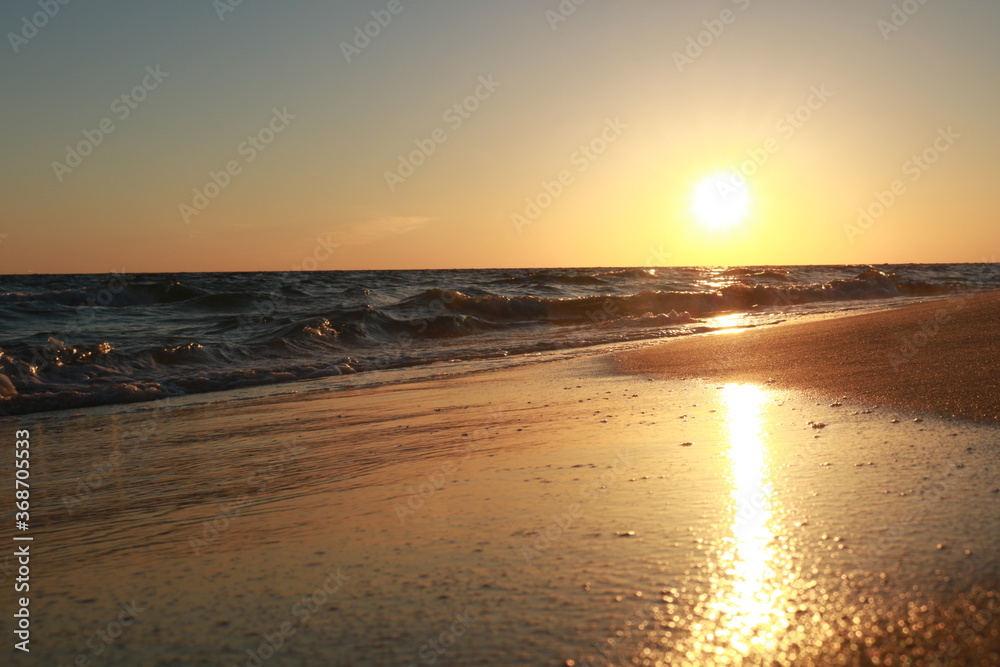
column 604, row 118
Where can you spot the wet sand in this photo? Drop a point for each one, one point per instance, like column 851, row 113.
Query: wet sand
column 559, row 512
column 940, row 356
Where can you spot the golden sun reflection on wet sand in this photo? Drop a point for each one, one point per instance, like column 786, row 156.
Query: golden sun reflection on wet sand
column 727, row 323
column 749, row 598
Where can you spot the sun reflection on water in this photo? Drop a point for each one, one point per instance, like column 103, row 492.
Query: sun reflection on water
column 749, row 598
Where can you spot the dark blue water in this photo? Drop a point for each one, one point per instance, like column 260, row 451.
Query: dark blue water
column 70, row 341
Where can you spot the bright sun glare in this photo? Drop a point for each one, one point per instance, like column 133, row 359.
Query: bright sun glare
column 721, row 200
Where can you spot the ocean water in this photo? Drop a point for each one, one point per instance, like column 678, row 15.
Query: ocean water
column 72, row 341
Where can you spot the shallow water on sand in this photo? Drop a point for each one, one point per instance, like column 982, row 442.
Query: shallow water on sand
column 530, row 516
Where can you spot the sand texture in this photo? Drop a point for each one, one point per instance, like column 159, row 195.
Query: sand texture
column 521, row 517
column 939, row 356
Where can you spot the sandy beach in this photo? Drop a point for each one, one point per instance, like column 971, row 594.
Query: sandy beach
column 938, row 356
column 697, row 502
column 563, row 333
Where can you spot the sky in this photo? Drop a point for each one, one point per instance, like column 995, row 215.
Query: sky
column 230, row 135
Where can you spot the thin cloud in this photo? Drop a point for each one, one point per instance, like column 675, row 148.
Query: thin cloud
column 376, row 229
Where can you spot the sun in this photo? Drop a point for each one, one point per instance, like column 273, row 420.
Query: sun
column 721, row 200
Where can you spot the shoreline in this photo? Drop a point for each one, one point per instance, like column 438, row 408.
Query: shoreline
column 553, row 507
column 938, row 357
column 28, row 404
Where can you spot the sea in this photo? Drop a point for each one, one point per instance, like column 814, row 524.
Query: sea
column 77, row 341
